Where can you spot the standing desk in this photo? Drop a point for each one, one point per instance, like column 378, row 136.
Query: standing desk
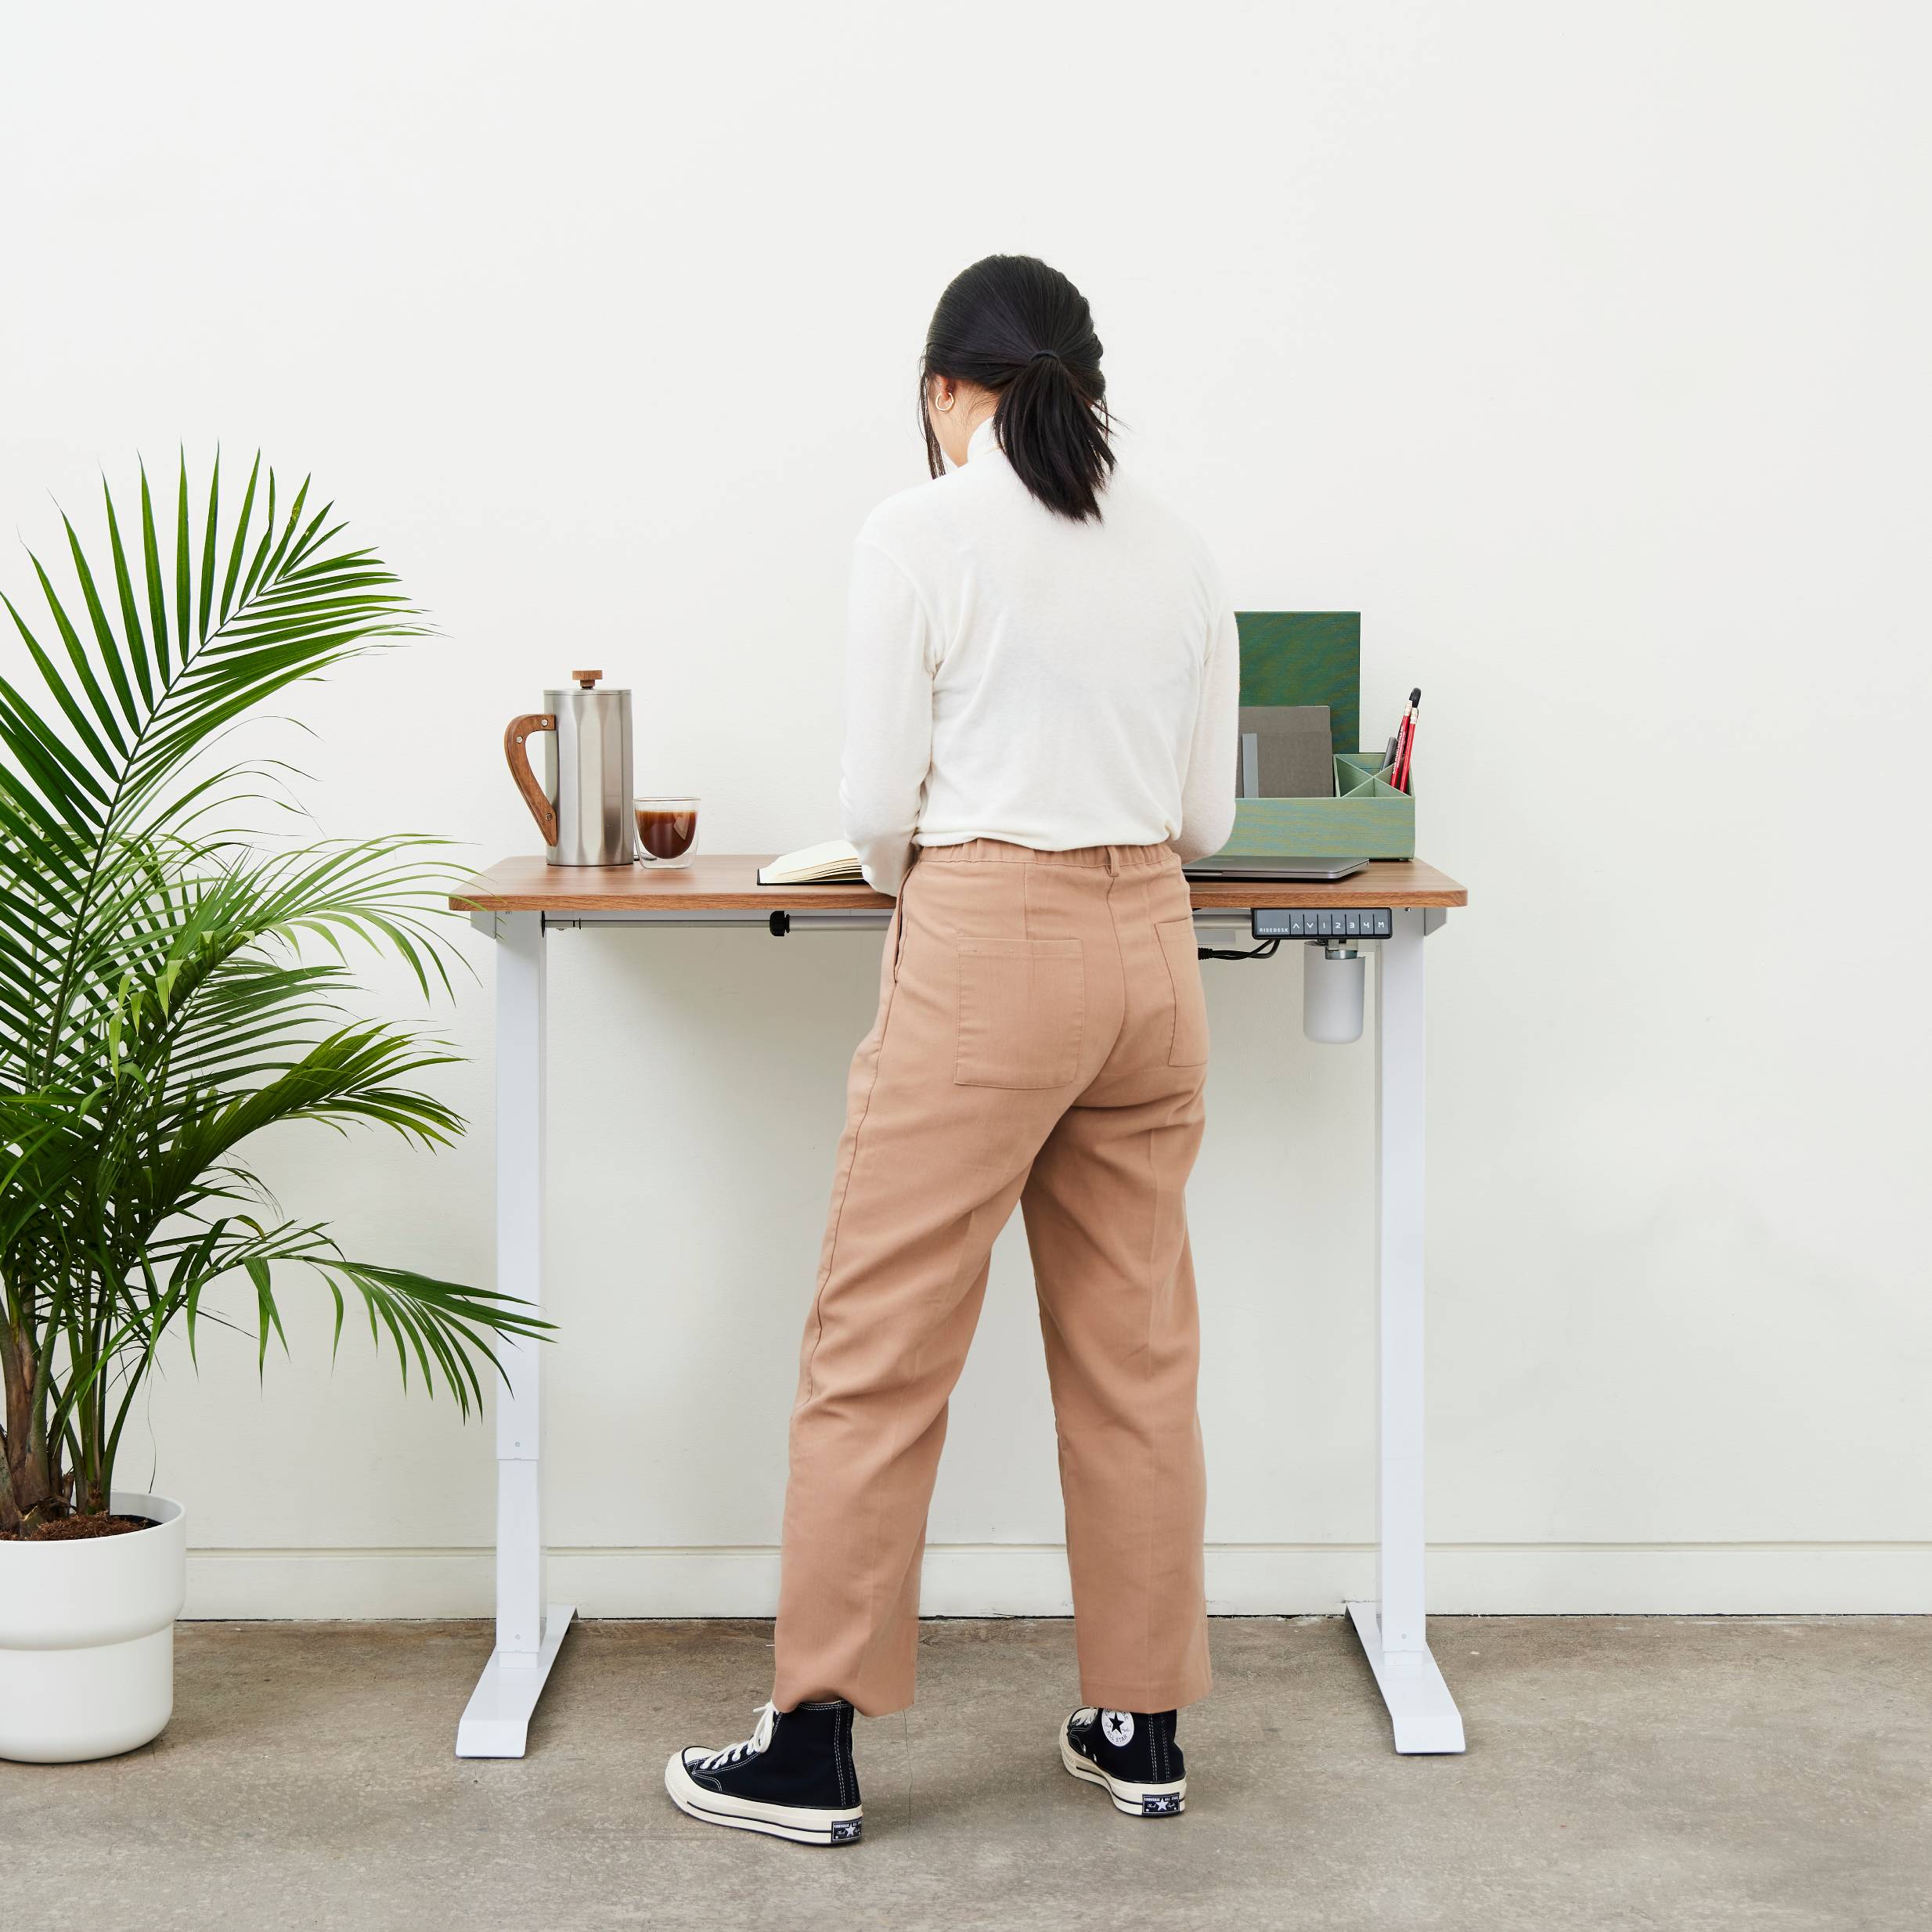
column 520, row 902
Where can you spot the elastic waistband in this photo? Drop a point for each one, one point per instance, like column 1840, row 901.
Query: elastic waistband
column 1092, row 858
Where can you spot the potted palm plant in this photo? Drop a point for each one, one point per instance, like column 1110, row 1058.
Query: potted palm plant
column 171, row 983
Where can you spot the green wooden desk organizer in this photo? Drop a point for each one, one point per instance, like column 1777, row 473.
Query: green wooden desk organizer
column 1315, row 657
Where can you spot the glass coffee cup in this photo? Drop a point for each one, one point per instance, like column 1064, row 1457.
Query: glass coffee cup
column 667, row 830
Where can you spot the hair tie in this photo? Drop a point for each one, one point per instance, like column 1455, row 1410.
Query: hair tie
column 1051, row 355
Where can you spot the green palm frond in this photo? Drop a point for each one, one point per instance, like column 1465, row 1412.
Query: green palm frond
column 170, row 986
column 99, row 765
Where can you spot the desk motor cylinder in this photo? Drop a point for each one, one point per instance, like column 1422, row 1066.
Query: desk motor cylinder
column 1331, row 994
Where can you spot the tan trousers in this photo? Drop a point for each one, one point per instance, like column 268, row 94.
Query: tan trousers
column 1041, row 1039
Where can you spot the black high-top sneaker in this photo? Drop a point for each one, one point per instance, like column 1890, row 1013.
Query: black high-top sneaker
column 1133, row 1754
column 792, row 1778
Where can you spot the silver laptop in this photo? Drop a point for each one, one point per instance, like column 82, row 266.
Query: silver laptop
column 1251, row 868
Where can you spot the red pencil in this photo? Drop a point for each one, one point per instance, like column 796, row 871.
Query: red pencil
column 1405, row 754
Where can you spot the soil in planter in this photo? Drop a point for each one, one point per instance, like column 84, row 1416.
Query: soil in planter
column 73, row 1529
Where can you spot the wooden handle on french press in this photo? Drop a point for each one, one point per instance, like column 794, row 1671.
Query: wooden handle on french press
column 514, row 733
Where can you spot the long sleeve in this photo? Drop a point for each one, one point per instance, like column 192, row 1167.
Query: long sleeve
column 1207, row 792
column 891, row 656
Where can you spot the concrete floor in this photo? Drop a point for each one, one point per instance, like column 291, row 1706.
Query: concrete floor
column 1673, row 1773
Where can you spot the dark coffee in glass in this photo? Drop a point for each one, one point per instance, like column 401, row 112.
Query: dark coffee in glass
column 667, row 829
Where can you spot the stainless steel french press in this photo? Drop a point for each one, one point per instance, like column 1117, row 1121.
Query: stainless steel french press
column 583, row 808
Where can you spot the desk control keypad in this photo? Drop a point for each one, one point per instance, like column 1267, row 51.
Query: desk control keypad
column 1298, row 922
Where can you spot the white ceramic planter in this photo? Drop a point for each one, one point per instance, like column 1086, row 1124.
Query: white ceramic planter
column 86, row 1637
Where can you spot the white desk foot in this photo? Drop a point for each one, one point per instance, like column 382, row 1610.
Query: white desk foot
column 1420, row 1707
column 496, row 1723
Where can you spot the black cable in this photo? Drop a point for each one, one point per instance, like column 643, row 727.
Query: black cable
column 1265, row 950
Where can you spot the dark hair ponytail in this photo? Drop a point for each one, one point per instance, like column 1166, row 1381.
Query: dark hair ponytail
column 1014, row 326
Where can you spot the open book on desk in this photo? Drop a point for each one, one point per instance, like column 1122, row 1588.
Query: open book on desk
column 833, row 863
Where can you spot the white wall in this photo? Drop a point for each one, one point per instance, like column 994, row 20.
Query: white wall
column 1584, row 349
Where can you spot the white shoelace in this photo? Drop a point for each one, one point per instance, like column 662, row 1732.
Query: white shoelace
column 753, row 1746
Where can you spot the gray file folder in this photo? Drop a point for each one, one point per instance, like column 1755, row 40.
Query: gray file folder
column 1285, row 752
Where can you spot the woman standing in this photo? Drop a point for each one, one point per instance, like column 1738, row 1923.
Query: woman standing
column 1040, row 705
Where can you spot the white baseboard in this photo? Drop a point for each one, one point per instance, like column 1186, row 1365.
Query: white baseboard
column 1030, row 1580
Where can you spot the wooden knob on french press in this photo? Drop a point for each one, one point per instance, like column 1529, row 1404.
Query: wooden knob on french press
column 586, row 679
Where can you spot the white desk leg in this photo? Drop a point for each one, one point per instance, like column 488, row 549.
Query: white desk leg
column 528, row 1632
column 1393, row 1629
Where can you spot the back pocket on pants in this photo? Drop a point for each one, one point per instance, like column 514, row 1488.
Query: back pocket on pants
column 1022, row 1009
column 1180, row 947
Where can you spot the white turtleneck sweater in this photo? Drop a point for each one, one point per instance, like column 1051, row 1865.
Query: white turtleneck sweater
column 1014, row 675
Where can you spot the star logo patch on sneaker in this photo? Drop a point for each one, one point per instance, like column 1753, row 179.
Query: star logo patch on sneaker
column 1119, row 1725
column 1160, row 1803
column 843, row 1833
